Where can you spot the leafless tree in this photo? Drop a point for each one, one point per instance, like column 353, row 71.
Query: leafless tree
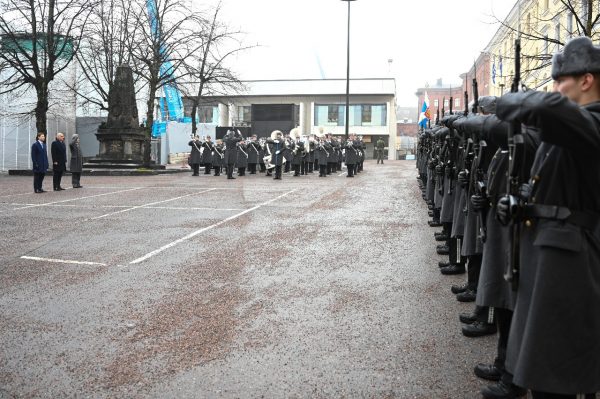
column 39, row 39
column 572, row 18
column 209, row 69
column 112, row 32
column 168, row 31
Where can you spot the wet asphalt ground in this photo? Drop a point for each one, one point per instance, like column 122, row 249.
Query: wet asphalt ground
column 174, row 286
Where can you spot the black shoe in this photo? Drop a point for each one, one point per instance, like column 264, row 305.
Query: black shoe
column 444, row 264
column 442, row 250
column 231, row 177
column 195, row 174
column 457, row 289
column 488, row 372
column 56, row 189
column 478, row 329
column 467, row 318
column 501, row 390
column 430, row 213
column 39, row 191
column 434, row 223
column 441, row 238
column 468, row 296
column 452, row 269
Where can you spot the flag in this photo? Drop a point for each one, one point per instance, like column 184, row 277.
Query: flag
column 494, row 71
column 425, row 115
column 500, row 65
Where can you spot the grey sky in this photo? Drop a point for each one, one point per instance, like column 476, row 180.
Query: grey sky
column 426, row 40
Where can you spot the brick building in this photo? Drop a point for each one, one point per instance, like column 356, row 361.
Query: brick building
column 439, row 97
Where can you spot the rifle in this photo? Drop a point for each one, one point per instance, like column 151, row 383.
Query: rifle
column 516, row 154
column 475, row 90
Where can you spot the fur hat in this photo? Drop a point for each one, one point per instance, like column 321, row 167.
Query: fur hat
column 487, row 104
column 578, row 57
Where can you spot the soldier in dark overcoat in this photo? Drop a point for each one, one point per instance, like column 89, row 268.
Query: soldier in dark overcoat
column 553, row 344
column 217, row 158
column 254, row 154
column 231, row 138
column 207, row 155
column 195, row 154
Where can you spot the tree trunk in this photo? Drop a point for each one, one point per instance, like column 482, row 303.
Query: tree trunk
column 149, row 123
column 41, row 109
column 194, row 123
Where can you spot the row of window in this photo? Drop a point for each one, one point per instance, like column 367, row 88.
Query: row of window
column 436, row 103
column 325, row 114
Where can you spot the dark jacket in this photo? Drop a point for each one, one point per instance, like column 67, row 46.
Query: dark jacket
column 76, row 164
column 553, row 343
column 59, row 155
column 242, row 156
column 195, row 157
column 231, row 139
column 207, row 153
column 253, row 150
column 39, row 157
column 218, row 154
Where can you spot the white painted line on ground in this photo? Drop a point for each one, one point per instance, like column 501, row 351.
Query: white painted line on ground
column 212, row 226
column 150, row 204
column 182, row 208
column 342, row 174
column 75, row 199
column 73, row 262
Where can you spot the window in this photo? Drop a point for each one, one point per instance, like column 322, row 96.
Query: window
column 546, row 44
column 366, row 114
column 457, row 103
column 329, row 114
column 569, row 25
column 359, row 115
column 436, row 103
column 205, row 114
column 546, row 4
column 333, row 114
column 446, row 104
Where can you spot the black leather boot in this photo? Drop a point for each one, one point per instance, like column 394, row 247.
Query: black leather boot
column 502, row 390
column 478, row 329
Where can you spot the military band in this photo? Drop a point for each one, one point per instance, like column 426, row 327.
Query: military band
column 277, row 154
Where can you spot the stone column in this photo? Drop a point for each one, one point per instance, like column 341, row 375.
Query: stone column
column 302, row 118
column 223, row 115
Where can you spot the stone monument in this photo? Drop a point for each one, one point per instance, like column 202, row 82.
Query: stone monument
column 121, row 138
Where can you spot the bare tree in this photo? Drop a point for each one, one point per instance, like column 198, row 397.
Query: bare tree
column 572, row 18
column 169, row 30
column 112, row 32
column 39, row 40
column 208, row 68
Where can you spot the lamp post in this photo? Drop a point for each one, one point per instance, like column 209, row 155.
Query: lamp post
column 347, row 125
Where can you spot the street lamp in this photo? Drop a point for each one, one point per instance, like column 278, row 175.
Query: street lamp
column 348, row 74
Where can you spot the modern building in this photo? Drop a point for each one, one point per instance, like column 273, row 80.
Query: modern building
column 313, row 105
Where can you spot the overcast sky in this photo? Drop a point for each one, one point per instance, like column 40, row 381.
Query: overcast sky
column 302, row 39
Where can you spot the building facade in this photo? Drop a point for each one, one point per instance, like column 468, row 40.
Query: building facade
column 312, row 105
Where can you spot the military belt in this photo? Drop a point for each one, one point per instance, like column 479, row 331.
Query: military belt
column 586, row 220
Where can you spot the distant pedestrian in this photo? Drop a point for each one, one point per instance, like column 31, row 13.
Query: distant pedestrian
column 76, row 163
column 39, row 159
column 58, row 151
column 380, row 145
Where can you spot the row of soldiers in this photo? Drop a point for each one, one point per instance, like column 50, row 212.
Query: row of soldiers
column 515, row 188
column 277, row 154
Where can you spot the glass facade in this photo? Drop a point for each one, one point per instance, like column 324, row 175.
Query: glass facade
column 360, row 115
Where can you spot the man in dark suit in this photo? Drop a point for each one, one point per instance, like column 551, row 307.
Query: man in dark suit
column 59, row 160
column 39, row 158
